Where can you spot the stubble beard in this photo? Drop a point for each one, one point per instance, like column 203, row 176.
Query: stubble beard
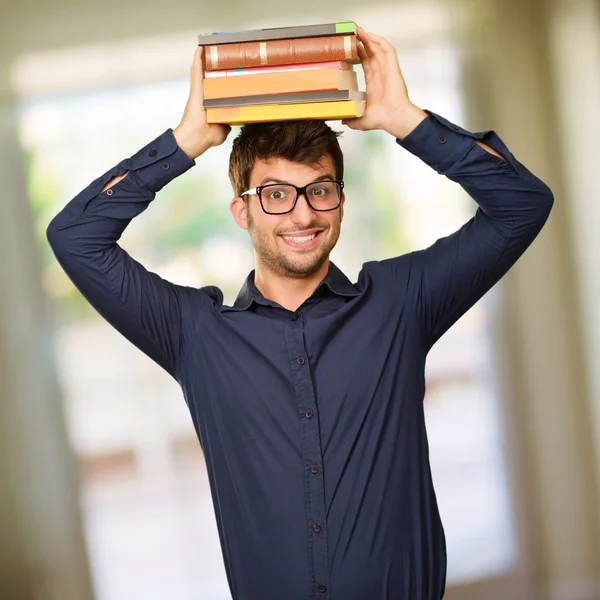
column 282, row 264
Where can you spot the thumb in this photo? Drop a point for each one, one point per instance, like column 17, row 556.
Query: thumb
column 197, row 75
column 352, row 123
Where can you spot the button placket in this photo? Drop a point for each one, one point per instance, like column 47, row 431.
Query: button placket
column 312, row 454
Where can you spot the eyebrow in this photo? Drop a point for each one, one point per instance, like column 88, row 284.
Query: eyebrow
column 327, row 176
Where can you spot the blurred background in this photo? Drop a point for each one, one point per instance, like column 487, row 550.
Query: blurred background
column 103, row 488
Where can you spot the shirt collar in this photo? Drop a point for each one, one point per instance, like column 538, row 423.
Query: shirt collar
column 335, row 280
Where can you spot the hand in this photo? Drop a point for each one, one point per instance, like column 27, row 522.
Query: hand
column 194, row 135
column 388, row 105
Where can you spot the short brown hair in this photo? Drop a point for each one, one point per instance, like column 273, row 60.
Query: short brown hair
column 304, row 141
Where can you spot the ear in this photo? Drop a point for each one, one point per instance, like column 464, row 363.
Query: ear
column 239, row 211
column 343, row 199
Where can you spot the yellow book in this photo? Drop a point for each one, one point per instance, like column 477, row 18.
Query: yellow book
column 238, row 115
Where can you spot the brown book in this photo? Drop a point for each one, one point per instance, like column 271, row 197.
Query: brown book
column 282, row 52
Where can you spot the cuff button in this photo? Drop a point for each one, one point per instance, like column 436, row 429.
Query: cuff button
column 165, row 166
column 442, row 139
column 152, row 153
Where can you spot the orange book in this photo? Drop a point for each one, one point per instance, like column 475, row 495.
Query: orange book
column 280, row 82
column 238, row 115
column 282, row 52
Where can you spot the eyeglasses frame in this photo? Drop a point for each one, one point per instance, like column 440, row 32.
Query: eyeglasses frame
column 300, row 191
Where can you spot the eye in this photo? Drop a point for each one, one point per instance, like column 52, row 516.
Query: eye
column 320, row 191
column 277, row 194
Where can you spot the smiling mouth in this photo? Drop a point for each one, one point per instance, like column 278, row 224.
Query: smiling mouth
column 301, row 241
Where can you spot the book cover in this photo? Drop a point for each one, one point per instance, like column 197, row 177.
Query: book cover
column 294, row 98
column 284, row 82
column 277, row 33
column 336, row 64
column 282, row 52
column 238, row 115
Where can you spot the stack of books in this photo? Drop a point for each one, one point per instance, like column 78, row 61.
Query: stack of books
column 282, row 74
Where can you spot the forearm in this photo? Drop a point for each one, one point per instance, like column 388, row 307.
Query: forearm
column 505, row 190
column 408, row 120
column 151, row 168
column 84, row 234
column 183, row 142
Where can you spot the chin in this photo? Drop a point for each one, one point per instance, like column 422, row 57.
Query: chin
column 305, row 267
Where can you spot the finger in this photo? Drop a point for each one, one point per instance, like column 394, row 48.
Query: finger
column 362, row 35
column 364, row 60
column 368, row 46
column 352, row 123
column 385, row 53
column 382, row 43
column 197, row 74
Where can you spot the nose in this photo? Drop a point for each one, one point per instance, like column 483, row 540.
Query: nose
column 302, row 214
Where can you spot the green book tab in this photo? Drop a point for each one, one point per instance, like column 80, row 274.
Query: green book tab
column 347, row 27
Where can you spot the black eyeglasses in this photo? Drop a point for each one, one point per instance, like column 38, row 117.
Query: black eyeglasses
column 281, row 198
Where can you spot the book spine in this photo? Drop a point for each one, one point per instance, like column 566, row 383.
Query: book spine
column 282, row 52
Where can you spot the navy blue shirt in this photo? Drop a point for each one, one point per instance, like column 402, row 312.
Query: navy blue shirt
column 312, row 421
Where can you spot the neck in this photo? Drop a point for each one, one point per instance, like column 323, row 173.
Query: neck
column 289, row 292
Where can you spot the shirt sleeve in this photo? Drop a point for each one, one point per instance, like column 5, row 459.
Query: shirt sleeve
column 446, row 279
column 145, row 308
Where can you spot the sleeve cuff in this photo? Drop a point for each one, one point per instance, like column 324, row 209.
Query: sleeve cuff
column 439, row 143
column 158, row 163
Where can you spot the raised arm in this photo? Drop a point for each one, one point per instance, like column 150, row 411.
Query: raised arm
column 445, row 280
column 141, row 305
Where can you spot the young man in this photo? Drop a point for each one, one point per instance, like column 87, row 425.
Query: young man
column 307, row 393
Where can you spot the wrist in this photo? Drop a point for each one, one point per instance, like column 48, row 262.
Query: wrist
column 191, row 142
column 403, row 121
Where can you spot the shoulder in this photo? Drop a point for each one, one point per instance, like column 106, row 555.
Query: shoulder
column 392, row 273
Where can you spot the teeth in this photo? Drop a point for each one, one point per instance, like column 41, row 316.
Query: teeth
column 300, row 239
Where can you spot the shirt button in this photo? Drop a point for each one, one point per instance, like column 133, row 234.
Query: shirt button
column 442, row 139
column 294, row 318
column 322, row 589
column 109, row 192
column 314, row 469
column 152, row 153
column 317, row 528
column 309, row 413
column 165, row 166
column 300, row 360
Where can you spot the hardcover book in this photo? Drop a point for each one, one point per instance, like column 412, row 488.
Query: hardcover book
column 238, row 115
column 277, row 33
column 336, row 64
column 280, row 82
column 294, row 98
column 282, row 52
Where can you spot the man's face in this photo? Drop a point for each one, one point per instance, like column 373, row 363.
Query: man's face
column 276, row 238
